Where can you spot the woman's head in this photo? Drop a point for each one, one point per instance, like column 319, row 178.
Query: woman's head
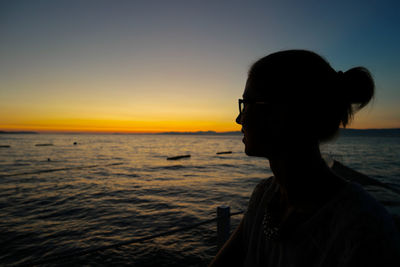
column 304, row 98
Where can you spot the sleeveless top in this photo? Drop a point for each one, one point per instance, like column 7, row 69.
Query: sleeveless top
column 352, row 229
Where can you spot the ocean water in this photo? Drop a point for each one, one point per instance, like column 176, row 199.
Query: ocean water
column 129, row 190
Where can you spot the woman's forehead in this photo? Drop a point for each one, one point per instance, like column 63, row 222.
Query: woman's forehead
column 253, row 90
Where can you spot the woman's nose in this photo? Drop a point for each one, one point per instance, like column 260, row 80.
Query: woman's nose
column 239, row 119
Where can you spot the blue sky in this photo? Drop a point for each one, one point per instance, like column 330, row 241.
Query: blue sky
column 164, row 65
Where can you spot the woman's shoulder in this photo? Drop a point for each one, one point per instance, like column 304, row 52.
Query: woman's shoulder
column 360, row 202
column 264, row 184
column 361, row 212
column 369, row 228
column 263, row 187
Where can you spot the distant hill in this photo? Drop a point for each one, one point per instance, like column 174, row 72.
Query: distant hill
column 19, row 132
column 395, row 132
column 201, row 133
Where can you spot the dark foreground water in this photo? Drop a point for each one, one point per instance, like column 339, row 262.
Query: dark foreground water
column 50, row 213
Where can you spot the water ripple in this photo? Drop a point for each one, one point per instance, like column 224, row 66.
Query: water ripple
column 48, row 213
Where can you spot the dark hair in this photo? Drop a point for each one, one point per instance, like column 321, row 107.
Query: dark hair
column 312, row 89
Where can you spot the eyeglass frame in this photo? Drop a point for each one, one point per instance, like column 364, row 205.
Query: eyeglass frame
column 248, row 101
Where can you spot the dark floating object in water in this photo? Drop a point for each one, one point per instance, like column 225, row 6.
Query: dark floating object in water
column 224, row 152
column 48, row 159
column 4, row 146
column 43, row 144
column 178, row 157
column 75, row 143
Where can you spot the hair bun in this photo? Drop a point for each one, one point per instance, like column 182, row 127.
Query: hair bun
column 357, row 85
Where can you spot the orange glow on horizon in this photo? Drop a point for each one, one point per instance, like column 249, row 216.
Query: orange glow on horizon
column 184, row 121
column 115, row 126
column 142, row 127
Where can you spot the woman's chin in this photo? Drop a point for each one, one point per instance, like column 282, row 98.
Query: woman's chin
column 249, row 151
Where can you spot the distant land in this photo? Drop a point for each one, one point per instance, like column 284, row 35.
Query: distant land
column 20, row 132
column 395, row 132
column 202, row 133
column 184, row 133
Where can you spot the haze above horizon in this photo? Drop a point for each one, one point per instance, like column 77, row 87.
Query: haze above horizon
column 159, row 66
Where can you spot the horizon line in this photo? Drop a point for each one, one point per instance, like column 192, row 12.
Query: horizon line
column 153, row 132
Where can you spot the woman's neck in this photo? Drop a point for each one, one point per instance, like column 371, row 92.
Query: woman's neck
column 306, row 182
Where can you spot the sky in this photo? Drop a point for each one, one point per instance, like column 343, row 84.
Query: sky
column 155, row 66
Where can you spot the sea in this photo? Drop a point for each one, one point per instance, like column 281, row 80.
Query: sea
column 64, row 194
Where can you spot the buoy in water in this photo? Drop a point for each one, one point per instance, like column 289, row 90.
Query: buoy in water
column 178, row 157
column 224, row 152
column 43, row 144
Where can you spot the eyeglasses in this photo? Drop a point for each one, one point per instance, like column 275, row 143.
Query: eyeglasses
column 242, row 103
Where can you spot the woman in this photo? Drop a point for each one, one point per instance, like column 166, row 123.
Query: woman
column 305, row 215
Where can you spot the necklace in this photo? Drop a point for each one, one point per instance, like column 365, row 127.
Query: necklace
column 271, row 224
column 271, row 229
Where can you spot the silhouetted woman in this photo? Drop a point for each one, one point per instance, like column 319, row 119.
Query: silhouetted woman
column 305, row 215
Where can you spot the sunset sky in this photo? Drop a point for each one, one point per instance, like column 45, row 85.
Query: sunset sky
column 150, row 66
